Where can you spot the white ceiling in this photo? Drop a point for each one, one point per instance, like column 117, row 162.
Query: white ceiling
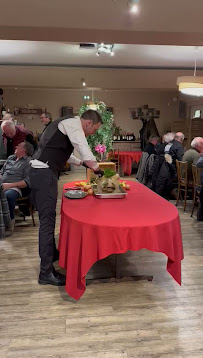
column 55, row 53
column 163, row 35
column 155, row 15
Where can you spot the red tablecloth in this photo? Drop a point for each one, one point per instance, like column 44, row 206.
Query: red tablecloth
column 92, row 229
column 127, row 159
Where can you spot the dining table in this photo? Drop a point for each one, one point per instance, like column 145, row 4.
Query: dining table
column 127, row 158
column 92, row 229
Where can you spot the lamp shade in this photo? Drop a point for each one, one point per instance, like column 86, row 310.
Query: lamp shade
column 191, row 85
column 92, row 105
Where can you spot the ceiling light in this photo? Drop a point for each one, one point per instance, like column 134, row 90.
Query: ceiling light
column 83, row 82
column 105, row 48
column 133, row 6
column 191, row 85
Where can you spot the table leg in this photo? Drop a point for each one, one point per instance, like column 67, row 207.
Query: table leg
column 118, row 277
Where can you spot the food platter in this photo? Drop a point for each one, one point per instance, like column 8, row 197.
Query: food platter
column 75, row 194
column 120, row 194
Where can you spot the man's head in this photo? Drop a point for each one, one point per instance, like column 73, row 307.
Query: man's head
column 46, row 118
column 153, row 139
column 8, row 117
column 91, row 121
column 179, row 137
column 197, row 143
column 24, row 149
column 8, row 128
column 168, row 137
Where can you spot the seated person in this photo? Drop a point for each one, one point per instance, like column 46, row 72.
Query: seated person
column 7, row 117
column 46, row 119
column 200, row 165
column 14, row 176
column 14, row 135
column 175, row 148
column 166, row 139
column 150, row 147
column 192, row 155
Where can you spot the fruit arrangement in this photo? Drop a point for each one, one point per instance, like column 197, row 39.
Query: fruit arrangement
column 108, row 183
column 124, row 185
column 85, row 186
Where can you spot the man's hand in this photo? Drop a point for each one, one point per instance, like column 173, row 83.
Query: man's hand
column 99, row 172
column 7, row 186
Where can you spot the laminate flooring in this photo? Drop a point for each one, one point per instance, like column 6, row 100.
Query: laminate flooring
column 126, row 320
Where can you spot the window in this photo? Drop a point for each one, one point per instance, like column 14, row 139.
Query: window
column 197, row 113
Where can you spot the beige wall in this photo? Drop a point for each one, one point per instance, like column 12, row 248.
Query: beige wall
column 53, row 100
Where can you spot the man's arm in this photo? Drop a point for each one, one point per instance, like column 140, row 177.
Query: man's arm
column 180, row 153
column 2, row 171
column 73, row 129
column 74, row 160
column 200, row 162
column 20, row 185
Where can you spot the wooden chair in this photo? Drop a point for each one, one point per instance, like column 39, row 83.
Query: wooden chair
column 197, row 185
column 114, row 158
column 25, row 201
column 182, row 181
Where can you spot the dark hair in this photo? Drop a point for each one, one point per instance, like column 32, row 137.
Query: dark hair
column 153, row 137
column 48, row 115
column 92, row 115
column 29, row 149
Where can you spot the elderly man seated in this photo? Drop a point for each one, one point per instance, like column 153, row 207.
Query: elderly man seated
column 150, row 148
column 166, row 140
column 14, row 135
column 14, row 176
column 175, row 148
column 192, row 155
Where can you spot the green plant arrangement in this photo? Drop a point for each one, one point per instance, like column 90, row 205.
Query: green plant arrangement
column 105, row 132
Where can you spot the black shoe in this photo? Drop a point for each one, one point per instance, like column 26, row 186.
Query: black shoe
column 56, row 255
column 52, row 278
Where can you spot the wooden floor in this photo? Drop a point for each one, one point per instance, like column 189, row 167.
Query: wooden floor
column 127, row 320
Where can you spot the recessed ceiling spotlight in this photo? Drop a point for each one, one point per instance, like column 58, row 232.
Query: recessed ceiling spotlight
column 83, row 82
column 133, row 6
column 105, row 48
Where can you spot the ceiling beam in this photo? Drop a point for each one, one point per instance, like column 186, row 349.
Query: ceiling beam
column 97, row 36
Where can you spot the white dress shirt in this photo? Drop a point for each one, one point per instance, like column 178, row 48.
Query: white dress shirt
column 72, row 127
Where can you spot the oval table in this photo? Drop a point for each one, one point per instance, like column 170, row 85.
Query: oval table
column 127, row 159
column 92, row 229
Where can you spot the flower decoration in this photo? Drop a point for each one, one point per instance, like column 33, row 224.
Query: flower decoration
column 100, row 148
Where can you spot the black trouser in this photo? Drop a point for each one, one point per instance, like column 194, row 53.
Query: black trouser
column 200, row 208
column 44, row 198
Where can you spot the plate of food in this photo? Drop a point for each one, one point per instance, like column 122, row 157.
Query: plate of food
column 75, row 194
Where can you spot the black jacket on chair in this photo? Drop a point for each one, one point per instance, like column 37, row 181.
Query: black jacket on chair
column 162, row 184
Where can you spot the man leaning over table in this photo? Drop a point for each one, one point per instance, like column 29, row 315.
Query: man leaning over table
column 55, row 148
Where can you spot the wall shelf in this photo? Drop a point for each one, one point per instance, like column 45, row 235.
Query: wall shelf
column 30, row 111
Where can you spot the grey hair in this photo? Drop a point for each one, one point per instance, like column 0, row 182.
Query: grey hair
column 7, row 117
column 196, row 141
column 168, row 137
column 7, row 123
column 29, row 149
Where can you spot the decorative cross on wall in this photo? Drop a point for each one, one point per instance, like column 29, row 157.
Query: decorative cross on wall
column 144, row 113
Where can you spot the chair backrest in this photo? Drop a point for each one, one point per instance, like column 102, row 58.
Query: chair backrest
column 196, row 172
column 114, row 154
column 181, row 170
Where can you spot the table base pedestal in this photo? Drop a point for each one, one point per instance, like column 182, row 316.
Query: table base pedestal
column 118, row 277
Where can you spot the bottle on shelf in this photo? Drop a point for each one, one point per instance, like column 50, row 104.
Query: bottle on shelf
column 3, row 111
